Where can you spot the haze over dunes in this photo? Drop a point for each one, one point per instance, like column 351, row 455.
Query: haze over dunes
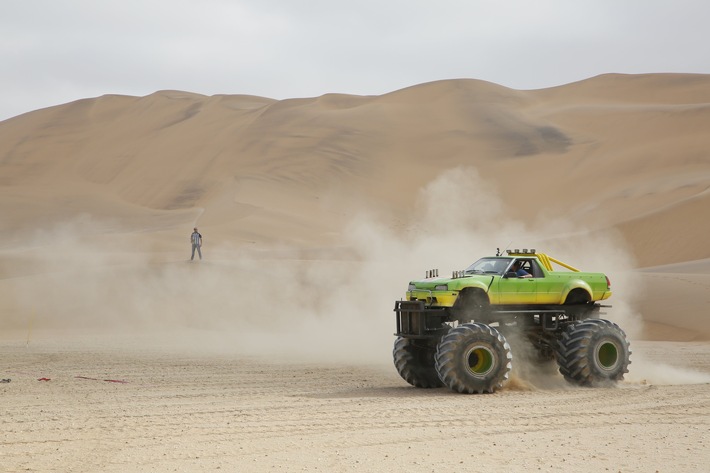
column 619, row 158
column 612, row 155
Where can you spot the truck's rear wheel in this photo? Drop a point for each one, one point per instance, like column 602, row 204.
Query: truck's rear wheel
column 594, row 352
column 579, row 304
column 415, row 363
column 473, row 358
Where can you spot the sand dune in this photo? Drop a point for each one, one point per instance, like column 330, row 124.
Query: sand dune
column 614, row 156
column 612, row 150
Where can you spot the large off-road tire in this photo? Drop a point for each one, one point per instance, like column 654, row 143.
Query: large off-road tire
column 415, row 363
column 594, row 352
column 473, row 358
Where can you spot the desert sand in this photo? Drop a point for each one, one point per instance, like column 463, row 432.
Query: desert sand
column 273, row 353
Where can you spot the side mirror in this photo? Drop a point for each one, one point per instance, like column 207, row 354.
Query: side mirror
column 510, row 274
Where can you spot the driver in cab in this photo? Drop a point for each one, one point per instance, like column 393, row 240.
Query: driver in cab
column 520, row 272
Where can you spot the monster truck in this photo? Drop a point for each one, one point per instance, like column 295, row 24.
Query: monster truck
column 452, row 331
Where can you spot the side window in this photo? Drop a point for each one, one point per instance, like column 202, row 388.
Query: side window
column 535, row 269
column 500, row 266
column 525, row 265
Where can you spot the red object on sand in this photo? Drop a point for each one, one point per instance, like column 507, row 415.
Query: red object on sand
column 43, row 379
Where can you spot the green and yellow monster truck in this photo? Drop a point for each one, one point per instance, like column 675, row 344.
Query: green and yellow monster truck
column 452, row 331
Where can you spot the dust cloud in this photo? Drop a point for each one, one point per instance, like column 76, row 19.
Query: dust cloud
column 80, row 277
column 646, row 371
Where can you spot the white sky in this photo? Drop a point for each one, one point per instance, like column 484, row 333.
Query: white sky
column 55, row 51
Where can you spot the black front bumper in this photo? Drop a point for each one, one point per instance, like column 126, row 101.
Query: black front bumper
column 414, row 320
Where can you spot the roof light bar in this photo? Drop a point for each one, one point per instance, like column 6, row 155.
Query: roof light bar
column 524, row 251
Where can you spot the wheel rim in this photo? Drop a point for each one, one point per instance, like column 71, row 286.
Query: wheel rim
column 607, row 355
column 479, row 360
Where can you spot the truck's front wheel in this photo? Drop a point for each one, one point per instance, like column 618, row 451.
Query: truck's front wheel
column 594, row 352
column 415, row 363
column 473, row 358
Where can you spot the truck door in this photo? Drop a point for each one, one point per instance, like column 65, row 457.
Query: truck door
column 549, row 287
column 516, row 290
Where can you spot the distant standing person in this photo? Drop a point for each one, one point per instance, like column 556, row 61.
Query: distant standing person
column 196, row 240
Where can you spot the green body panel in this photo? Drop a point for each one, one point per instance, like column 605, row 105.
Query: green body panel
column 514, row 291
column 543, row 288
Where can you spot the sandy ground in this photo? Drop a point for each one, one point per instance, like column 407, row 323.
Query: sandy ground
column 113, row 406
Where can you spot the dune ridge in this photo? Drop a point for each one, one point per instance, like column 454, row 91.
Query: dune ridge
column 618, row 157
column 613, row 150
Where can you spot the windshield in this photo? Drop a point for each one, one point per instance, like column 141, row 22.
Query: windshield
column 489, row 266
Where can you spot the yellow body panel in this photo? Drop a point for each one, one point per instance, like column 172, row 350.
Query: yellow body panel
column 434, row 298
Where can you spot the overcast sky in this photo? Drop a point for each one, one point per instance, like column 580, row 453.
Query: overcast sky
column 55, row 51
